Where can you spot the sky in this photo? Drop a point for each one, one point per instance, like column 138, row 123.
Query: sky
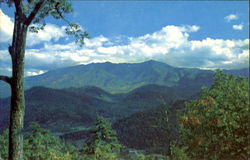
column 193, row 34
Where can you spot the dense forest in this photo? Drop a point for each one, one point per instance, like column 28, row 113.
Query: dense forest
column 86, row 102
column 211, row 125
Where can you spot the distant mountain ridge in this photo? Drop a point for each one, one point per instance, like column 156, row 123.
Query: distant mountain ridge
column 111, row 77
column 119, row 78
column 62, row 110
column 66, row 101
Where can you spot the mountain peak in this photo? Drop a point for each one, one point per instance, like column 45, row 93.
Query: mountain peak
column 157, row 62
column 151, row 61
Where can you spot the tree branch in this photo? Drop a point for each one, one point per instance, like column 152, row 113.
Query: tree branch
column 19, row 9
column 17, row 4
column 60, row 13
column 35, row 11
column 5, row 79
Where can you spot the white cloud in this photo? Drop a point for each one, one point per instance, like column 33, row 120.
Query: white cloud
column 96, row 41
column 231, row 17
column 171, row 44
column 238, row 27
column 50, row 33
column 34, row 72
column 6, row 27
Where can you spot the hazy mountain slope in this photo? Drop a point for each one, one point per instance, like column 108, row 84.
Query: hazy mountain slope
column 149, row 130
column 238, row 72
column 62, row 110
column 150, row 96
column 115, row 78
column 111, row 77
column 120, row 78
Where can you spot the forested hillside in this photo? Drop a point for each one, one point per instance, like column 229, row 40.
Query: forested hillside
column 178, row 129
column 116, row 78
column 151, row 119
column 64, row 110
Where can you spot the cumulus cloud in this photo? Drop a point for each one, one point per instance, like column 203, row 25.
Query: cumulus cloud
column 6, row 28
column 171, row 45
column 34, row 72
column 231, row 17
column 50, row 33
column 238, row 27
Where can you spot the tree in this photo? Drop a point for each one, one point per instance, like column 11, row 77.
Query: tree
column 103, row 143
column 28, row 12
column 40, row 145
column 216, row 125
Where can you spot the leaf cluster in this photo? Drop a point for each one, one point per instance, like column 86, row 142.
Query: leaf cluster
column 216, row 125
column 36, row 11
column 40, row 145
column 103, row 137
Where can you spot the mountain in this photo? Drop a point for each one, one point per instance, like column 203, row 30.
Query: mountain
column 150, row 96
column 152, row 130
column 67, row 100
column 59, row 110
column 120, row 78
column 114, row 78
column 238, row 72
column 67, row 110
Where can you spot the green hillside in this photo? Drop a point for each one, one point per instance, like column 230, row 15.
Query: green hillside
column 149, row 130
column 114, row 78
column 64, row 110
column 120, row 78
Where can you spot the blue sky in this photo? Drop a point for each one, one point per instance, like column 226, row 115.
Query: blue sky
column 142, row 17
column 208, row 34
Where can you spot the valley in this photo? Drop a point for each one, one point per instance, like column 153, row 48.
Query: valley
column 136, row 98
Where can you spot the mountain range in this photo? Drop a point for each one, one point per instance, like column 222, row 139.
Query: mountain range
column 114, row 78
column 64, row 110
column 134, row 97
column 120, row 78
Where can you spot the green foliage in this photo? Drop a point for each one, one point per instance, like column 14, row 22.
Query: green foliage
column 102, row 144
column 75, row 30
column 216, row 125
column 150, row 130
column 67, row 110
column 179, row 152
column 120, row 78
column 4, row 142
column 137, row 156
column 145, row 130
column 40, row 145
column 37, row 10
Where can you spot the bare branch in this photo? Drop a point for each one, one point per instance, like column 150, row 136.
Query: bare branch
column 35, row 11
column 5, row 79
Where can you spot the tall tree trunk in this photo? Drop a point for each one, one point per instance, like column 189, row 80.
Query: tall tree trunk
column 17, row 52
